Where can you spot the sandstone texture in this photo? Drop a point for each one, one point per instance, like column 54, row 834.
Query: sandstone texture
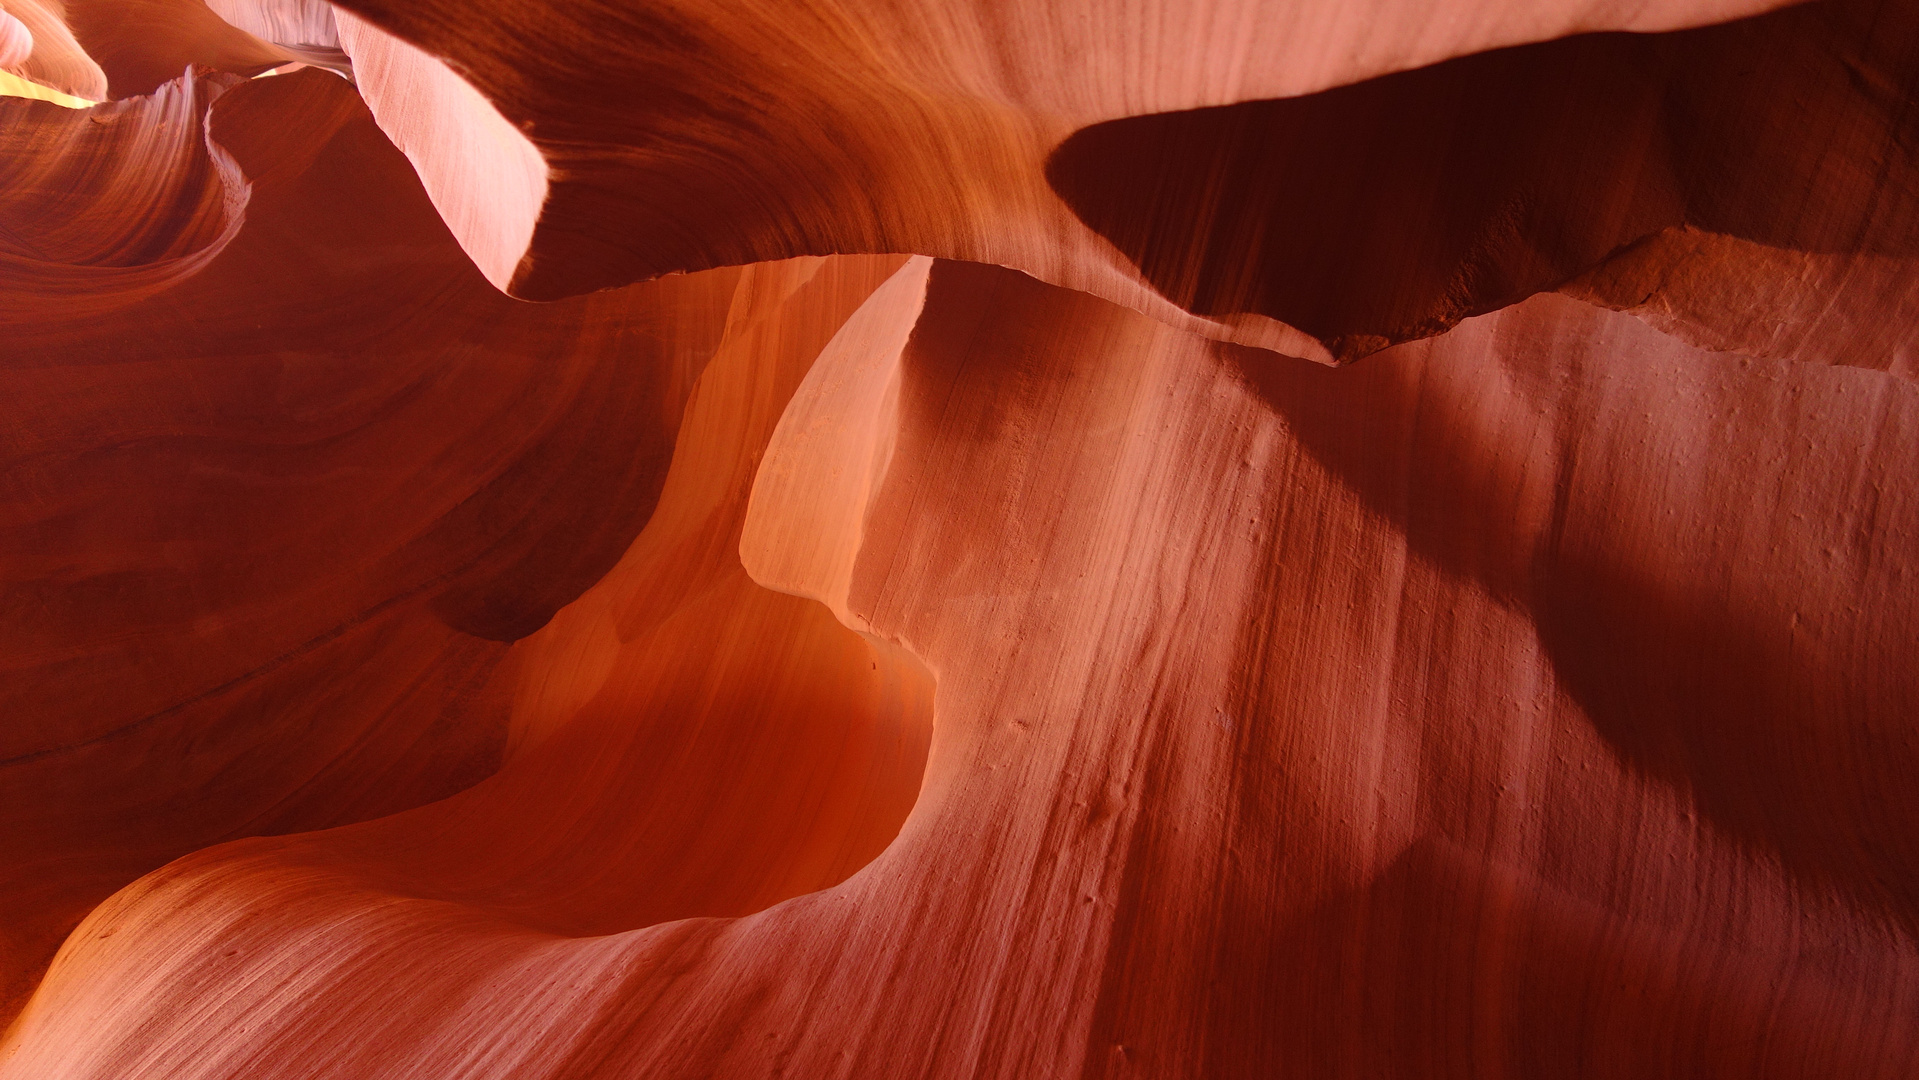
column 908, row 539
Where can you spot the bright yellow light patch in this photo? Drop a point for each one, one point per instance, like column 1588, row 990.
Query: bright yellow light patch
column 12, row 85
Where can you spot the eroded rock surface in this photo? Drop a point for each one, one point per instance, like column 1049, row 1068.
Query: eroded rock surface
column 907, row 602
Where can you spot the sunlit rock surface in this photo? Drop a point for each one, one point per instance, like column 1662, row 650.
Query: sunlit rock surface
column 913, row 595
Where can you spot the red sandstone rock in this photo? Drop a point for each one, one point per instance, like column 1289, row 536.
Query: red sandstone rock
column 108, row 205
column 16, row 41
column 53, row 57
column 311, row 489
column 683, row 138
column 865, row 663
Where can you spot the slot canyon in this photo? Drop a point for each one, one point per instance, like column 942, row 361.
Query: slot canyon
column 961, row 539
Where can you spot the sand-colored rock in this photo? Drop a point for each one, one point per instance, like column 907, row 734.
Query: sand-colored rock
column 1269, row 699
column 142, row 45
column 16, row 41
column 1390, row 209
column 104, row 206
column 958, row 631
column 267, row 532
column 683, row 137
column 53, row 58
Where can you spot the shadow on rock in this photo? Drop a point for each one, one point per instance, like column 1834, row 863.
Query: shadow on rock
column 1390, row 209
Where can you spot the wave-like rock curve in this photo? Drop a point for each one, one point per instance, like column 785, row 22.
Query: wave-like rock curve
column 955, row 630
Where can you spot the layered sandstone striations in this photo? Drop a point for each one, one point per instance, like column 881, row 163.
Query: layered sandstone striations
column 963, row 626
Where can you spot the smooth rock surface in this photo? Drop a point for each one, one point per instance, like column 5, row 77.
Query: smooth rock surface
column 907, row 602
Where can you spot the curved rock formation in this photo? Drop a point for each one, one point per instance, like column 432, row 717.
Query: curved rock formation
column 104, row 206
column 223, row 498
column 692, row 135
column 144, row 44
column 956, row 630
column 1388, row 210
column 45, row 51
column 16, row 41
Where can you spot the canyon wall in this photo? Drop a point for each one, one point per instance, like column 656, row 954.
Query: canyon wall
column 1245, row 539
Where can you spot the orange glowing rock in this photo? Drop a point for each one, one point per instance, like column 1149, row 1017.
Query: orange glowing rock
column 39, row 45
column 915, row 597
column 16, row 41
